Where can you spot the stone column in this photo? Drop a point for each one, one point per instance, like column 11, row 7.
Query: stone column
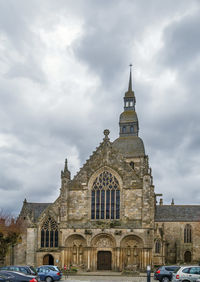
column 118, row 259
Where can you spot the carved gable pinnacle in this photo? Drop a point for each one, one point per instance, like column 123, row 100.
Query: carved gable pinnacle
column 66, row 173
column 106, row 133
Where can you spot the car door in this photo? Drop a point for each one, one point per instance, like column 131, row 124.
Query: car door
column 41, row 273
column 194, row 273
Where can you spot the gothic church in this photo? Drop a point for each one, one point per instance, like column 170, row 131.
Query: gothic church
column 106, row 217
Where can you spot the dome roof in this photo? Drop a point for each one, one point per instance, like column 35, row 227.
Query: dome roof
column 130, row 146
column 128, row 116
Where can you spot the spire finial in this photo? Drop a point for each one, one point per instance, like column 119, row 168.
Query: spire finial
column 130, row 79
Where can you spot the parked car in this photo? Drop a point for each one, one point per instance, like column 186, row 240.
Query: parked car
column 165, row 272
column 26, row 269
column 5, row 278
column 55, row 267
column 15, row 276
column 48, row 274
column 187, row 274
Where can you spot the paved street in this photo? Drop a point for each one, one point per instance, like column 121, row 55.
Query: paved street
column 105, row 279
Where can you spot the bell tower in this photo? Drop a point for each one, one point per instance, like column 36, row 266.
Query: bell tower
column 128, row 122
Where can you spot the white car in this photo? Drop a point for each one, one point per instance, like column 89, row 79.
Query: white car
column 187, row 274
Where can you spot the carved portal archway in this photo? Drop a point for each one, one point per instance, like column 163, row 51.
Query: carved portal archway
column 75, row 250
column 131, row 252
column 103, row 252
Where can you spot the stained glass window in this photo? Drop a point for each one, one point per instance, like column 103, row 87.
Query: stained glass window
column 105, row 197
column 49, row 234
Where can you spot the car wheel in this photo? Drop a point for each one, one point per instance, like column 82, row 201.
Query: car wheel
column 165, row 279
column 48, row 279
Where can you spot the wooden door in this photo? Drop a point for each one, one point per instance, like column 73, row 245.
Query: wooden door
column 104, row 260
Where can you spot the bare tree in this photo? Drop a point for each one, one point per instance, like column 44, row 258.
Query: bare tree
column 10, row 229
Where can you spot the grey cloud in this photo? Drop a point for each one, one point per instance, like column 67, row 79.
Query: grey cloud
column 182, row 42
column 44, row 132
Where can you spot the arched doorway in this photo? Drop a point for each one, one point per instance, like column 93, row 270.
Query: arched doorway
column 187, row 257
column 48, row 260
column 104, row 260
column 132, row 252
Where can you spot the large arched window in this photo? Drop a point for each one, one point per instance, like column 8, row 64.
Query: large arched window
column 105, row 202
column 49, row 234
column 187, row 234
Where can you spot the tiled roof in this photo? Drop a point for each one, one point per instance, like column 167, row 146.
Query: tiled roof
column 33, row 209
column 177, row 213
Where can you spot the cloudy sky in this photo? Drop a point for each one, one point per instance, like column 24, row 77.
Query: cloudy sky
column 64, row 70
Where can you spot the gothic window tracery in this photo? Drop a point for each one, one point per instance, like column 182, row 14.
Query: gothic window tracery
column 157, row 247
column 49, row 234
column 188, row 234
column 105, row 197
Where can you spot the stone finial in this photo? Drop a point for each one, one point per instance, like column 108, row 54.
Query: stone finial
column 161, row 201
column 106, row 133
column 25, row 201
column 66, row 173
column 172, row 203
column 66, row 166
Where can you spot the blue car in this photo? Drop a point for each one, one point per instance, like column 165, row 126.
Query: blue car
column 48, row 274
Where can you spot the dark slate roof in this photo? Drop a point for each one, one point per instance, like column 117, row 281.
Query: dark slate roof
column 130, row 146
column 33, row 209
column 169, row 213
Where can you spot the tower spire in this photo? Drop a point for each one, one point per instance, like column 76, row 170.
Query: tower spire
column 130, row 79
column 128, row 119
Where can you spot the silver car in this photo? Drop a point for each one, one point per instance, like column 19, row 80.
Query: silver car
column 187, row 274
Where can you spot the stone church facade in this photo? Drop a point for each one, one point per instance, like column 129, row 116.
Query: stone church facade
column 106, row 217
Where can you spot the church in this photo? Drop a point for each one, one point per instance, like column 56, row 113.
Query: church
column 107, row 216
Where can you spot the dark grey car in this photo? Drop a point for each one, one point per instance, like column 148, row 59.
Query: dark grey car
column 165, row 273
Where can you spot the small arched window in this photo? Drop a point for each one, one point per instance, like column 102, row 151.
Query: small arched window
column 157, row 247
column 188, row 234
column 49, row 234
column 131, row 103
column 132, row 165
column 105, row 198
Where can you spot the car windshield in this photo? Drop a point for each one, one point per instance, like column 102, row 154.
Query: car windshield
column 176, row 270
column 33, row 270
